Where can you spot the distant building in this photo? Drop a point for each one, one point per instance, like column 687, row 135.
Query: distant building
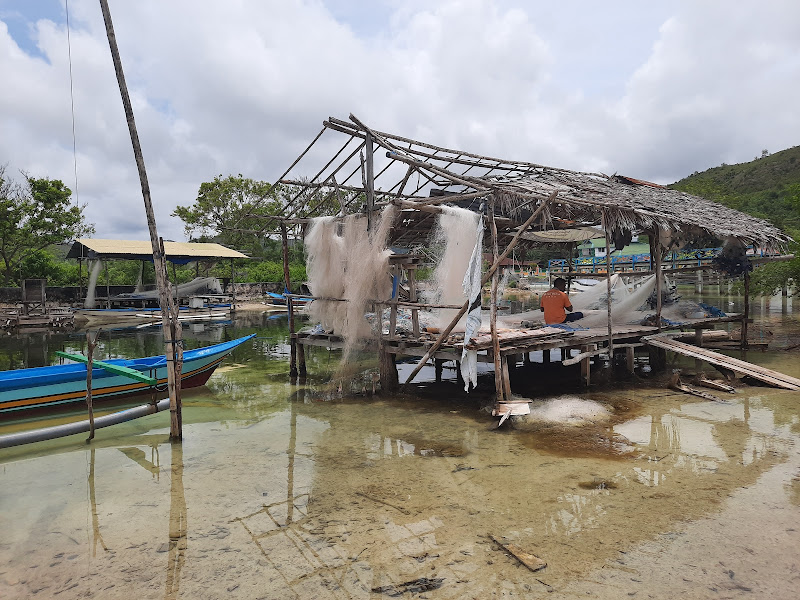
column 597, row 248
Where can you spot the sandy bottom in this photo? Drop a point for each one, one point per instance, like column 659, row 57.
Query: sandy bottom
column 335, row 500
column 284, row 491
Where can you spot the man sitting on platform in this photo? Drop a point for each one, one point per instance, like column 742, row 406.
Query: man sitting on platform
column 555, row 302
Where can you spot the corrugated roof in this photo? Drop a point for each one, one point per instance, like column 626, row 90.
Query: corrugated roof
column 143, row 250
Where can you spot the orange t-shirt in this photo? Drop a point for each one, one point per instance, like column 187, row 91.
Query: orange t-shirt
column 554, row 302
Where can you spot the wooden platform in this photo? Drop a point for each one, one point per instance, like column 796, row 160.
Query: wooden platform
column 578, row 346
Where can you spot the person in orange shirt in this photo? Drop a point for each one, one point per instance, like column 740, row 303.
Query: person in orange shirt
column 554, row 304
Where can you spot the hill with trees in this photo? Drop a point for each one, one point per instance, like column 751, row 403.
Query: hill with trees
column 767, row 187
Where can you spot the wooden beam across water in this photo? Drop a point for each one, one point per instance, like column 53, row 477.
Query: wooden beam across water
column 768, row 376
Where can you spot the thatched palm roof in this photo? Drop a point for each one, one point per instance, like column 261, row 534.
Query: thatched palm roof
column 417, row 175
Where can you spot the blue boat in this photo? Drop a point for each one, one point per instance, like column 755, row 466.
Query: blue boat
column 281, row 300
column 60, row 385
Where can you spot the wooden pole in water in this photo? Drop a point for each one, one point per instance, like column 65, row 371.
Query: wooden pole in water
column 90, row 345
column 289, row 304
column 498, row 369
column 168, row 314
column 514, row 241
column 608, row 287
column 746, row 314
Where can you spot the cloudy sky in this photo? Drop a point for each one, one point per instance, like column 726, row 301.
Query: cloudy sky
column 654, row 90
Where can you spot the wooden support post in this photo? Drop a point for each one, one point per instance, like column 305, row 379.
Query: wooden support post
column 390, row 380
column 498, row 371
column 301, row 360
column 630, row 359
column 698, row 341
column 746, row 314
column 169, row 315
column 659, row 275
column 526, row 359
column 506, row 378
column 514, row 241
column 393, row 321
column 438, row 367
column 233, row 285
column 608, row 286
column 287, row 282
column 412, row 296
column 108, row 285
column 586, row 364
column 175, row 280
column 546, row 356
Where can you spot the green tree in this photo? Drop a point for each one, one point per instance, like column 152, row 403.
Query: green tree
column 33, row 216
column 228, row 209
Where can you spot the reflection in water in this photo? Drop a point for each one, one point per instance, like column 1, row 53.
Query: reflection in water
column 97, row 537
column 138, row 456
column 177, row 523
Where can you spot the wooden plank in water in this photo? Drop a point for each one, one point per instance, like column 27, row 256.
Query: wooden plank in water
column 533, row 562
column 739, row 366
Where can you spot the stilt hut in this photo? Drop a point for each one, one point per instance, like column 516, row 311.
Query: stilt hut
column 352, row 169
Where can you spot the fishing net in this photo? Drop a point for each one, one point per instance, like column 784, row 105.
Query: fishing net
column 353, row 265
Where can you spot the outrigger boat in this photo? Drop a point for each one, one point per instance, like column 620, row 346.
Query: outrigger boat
column 57, row 385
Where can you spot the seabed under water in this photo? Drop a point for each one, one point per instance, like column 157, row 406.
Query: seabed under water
column 284, row 491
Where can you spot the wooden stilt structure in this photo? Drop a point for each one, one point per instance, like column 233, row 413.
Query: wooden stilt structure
column 746, row 315
column 499, row 385
column 171, row 327
column 459, row 178
column 606, row 229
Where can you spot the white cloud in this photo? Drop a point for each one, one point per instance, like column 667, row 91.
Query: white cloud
column 242, row 87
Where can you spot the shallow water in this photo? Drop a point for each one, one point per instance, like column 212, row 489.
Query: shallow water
column 285, row 491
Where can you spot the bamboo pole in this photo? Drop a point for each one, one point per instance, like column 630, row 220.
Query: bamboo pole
column 168, row 315
column 499, row 387
column 608, row 287
column 90, row 345
column 512, row 244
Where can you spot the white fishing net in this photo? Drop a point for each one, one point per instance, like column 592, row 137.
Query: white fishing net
column 452, row 241
column 354, row 266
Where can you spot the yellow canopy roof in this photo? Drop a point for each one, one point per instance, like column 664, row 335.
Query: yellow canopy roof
column 179, row 252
